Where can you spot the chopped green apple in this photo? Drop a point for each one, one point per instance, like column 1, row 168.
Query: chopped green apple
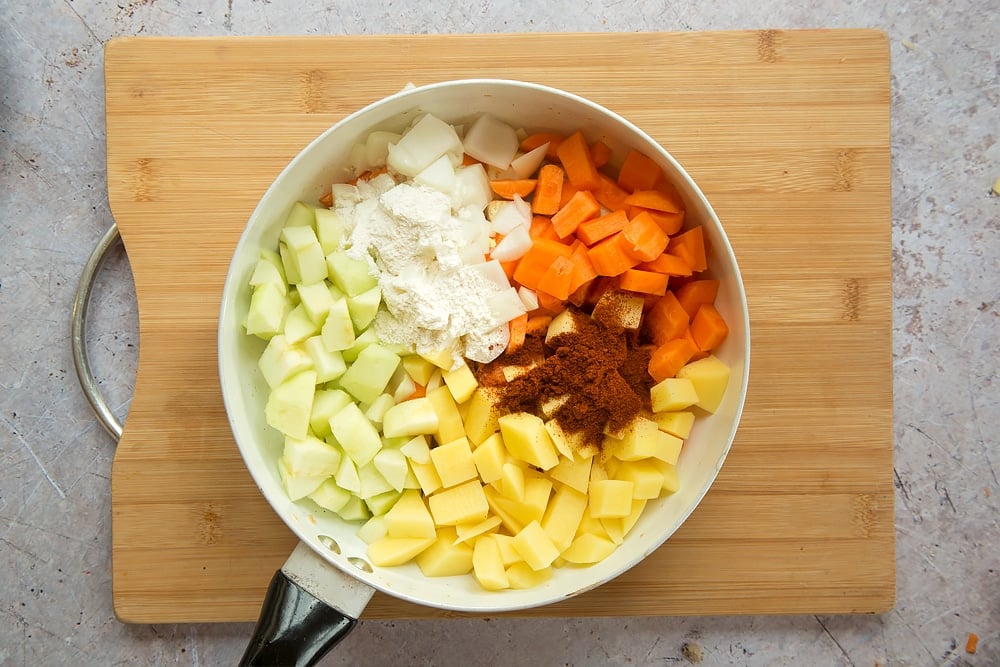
column 338, row 330
column 316, row 300
column 369, row 374
column 290, row 404
column 280, row 360
column 329, row 365
column 299, row 326
column 391, row 463
column 329, row 495
column 352, row 276
column 347, row 476
column 266, row 314
column 298, row 487
column 329, row 229
column 359, row 438
column 364, row 306
column 326, row 403
column 310, row 457
column 300, row 215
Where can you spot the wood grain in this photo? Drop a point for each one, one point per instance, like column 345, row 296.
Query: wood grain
column 786, row 132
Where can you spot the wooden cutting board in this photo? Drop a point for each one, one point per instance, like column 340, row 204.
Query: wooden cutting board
column 786, row 132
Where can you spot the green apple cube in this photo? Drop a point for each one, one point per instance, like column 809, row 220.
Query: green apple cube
column 310, row 457
column 316, row 299
column 417, row 449
column 369, row 374
column 372, row 481
column 299, row 326
column 359, row 438
column 328, row 365
column 291, row 265
column 330, row 496
column 274, row 257
column 364, row 306
column 355, row 510
column 361, row 341
column 311, row 263
column 300, row 215
column 329, row 229
column 376, row 411
column 266, row 315
column 378, row 506
column 298, row 487
column 413, row 417
column 326, row 403
column 392, row 465
column 347, row 476
column 290, row 403
column 338, row 330
column 265, row 272
column 352, row 276
column 281, row 360
column 298, row 238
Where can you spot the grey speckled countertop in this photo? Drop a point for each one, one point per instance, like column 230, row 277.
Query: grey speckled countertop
column 55, row 467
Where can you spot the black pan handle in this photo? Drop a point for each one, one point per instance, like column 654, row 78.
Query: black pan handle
column 309, row 607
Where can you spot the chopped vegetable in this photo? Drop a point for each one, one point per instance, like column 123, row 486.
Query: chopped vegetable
column 548, row 191
column 574, row 153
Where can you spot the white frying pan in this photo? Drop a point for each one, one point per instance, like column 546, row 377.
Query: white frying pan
column 316, row 597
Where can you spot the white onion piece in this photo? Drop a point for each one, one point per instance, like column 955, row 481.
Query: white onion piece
column 505, row 305
column 491, row 141
column 523, row 207
column 486, row 347
column 525, row 165
column 377, row 146
column 507, row 216
column 528, row 297
column 426, row 141
column 472, row 188
column 492, row 271
column 344, row 193
column 359, row 158
column 513, row 245
column 438, row 175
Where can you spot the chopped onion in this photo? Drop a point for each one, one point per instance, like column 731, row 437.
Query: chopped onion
column 491, row 141
column 525, row 165
column 505, row 304
column 472, row 188
column 438, row 175
column 426, row 141
column 528, row 297
column 492, row 271
column 513, row 245
column 508, row 215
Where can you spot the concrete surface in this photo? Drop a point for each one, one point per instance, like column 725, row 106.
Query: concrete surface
column 54, row 470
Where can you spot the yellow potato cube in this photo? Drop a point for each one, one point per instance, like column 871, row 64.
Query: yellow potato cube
column 588, row 548
column 573, row 472
column 672, row 394
column 450, row 426
column 668, row 448
column 443, row 359
column 563, row 515
column 677, row 424
column 588, row 524
column 512, row 481
column 445, row 558
column 498, row 505
column 535, row 547
column 566, row 443
column 646, row 478
column 487, row 566
column 392, row 551
column 467, row 531
column 637, row 508
column 459, row 504
column 427, row 476
column 615, row 528
column 489, row 458
column 481, row 415
column 710, row 377
column 639, row 440
column 418, row 368
column 453, row 462
column 525, row 437
column 598, row 471
column 536, row 499
column 460, row 382
column 508, row 554
column 671, row 480
column 549, row 407
column 409, row 517
column 610, row 498
column 521, row 576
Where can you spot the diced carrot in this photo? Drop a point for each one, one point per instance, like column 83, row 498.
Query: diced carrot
column 580, row 208
column 538, row 324
column 645, row 282
column 670, row 223
column 568, row 190
column 638, row 172
column 666, row 320
column 670, row 191
column 699, row 354
column 972, row 643
column 670, row 357
column 548, row 191
column 708, row 328
column 557, row 278
column 509, row 267
column 541, row 228
column 583, row 269
column 609, row 194
column 550, row 304
column 468, row 160
column 533, row 141
column 690, row 246
column 327, row 199
column 671, row 265
column 597, row 287
column 653, row 199
column 574, row 154
column 592, row 231
column 609, row 256
column 644, row 240
column 532, row 266
column 507, row 188
column 691, row 295
column 518, row 330
column 600, row 153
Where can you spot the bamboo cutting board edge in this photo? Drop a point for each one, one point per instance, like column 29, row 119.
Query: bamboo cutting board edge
column 138, row 599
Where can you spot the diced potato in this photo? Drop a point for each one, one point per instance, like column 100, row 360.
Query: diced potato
column 573, row 472
column 453, row 462
column 512, row 481
column 710, row 377
column 536, row 498
column 444, row 359
column 638, row 505
column 481, row 415
column 645, row 476
column 610, row 498
column 563, row 515
column 446, row 557
column 619, row 309
column 498, row 505
column 417, row 450
column 391, row 551
column 565, row 322
column 535, row 547
column 461, row 382
column 487, row 565
column 468, row 531
column 409, row 517
column 450, row 425
column 549, row 407
column 459, row 504
column 639, row 441
column 673, row 394
column 671, row 480
column 614, row 527
column 489, row 458
column 588, row 548
column 512, row 372
column 677, row 424
column 426, row 475
column 418, row 368
column 588, row 524
column 522, row 576
column 566, row 443
column 668, row 448
column 508, row 554
column 525, row 437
